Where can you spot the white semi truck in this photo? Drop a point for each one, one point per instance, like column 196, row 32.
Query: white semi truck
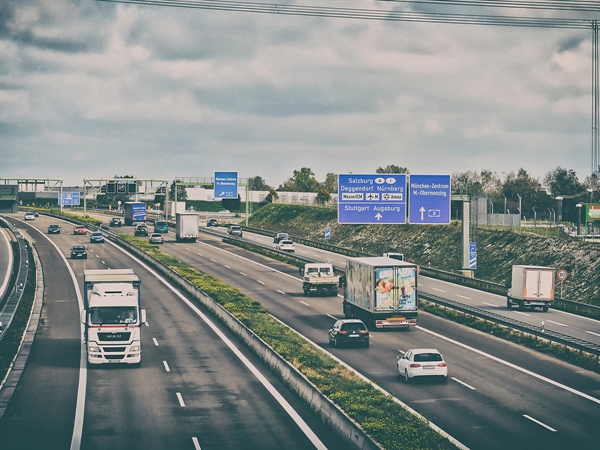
column 186, row 226
column 112, row 316
column 382, row 292
column 531, row 287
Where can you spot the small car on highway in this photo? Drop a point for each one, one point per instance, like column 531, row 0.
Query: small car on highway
column 212, row 223
column 29, row 216
column 97, row 237
column 235, row 230
column 79, row 251
column 115, row 222
column 161, row 226
column 141, row 230
column 156, row 238
column 421, row 362
column 80, row 229
column 285, row 245
column 54, row 229
column 280, row 236
column 34, row 212
column 349, row 332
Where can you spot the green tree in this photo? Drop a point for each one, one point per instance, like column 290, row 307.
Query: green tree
column 323, row 197
column 529, row 189
column 303, row 181
column 271, row 196
column 181, row 191
column 392, row 169
column 563, row 182
column 331, row 182
column 257, row 184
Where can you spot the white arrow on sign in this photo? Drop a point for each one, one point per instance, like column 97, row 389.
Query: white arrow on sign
column 378, row 216
column 422, row 211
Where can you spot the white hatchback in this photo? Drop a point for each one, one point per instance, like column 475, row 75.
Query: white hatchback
column 421, row 362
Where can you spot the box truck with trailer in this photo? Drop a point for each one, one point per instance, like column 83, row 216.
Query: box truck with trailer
column 112, row 316
column 382, row 292
column 186, row 226
column 531, row 287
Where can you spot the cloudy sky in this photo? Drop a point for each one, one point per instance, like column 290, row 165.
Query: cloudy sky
column 92, row 89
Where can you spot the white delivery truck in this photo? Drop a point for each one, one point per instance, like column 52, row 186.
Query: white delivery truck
column 382, row 292
column 186, row 226
column 319, row 278
column 531, row 287
column 112, row 316
column 393, row 255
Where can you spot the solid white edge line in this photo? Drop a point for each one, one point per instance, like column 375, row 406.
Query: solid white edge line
column 308, row 432
column 513, row 366
column 539, row 423
column 10, row 263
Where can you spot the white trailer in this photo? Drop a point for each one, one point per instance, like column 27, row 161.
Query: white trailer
column 112, row 316
column 531, row 287
column 186, row 226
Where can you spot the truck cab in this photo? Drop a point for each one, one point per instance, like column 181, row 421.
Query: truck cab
column 112, row 316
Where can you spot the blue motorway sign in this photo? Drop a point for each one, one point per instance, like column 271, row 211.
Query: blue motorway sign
column 429, row 199
column 226, row 185
column 472, row 255
column 69, row 198
column 372, row 198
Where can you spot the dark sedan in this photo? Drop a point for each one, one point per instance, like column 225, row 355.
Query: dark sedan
column 349, row 332
column 79, row 252
column 53, row 229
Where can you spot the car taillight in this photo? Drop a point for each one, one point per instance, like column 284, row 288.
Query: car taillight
column 363, row 331
column 415, row 365
column 342, row 332
column 442, row 365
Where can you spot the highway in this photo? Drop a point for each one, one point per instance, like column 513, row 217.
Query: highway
column 196, row 388
column 500, row 394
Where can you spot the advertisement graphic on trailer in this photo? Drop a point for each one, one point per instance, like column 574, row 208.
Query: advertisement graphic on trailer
column 395, row 289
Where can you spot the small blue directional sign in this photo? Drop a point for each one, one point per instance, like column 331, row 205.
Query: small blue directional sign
column 69, row 198
column 226, row 184
column 372, row 198
column 429, row 199
column 327, row 232
column 472, row 255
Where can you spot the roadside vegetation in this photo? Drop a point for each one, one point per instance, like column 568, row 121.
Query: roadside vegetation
column 439, row 246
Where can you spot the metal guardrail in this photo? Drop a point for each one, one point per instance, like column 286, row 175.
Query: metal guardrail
column 554, row 336
column 14, row 298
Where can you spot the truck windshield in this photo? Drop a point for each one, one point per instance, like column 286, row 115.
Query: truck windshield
column 113, row 315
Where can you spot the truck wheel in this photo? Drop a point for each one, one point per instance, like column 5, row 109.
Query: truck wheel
column 521, row 307
column 545, row 308
column 508, row 304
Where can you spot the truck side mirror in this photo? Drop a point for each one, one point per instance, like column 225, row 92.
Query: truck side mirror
column 83, row 316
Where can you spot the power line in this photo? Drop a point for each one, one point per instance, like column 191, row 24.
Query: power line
column 385, row 15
